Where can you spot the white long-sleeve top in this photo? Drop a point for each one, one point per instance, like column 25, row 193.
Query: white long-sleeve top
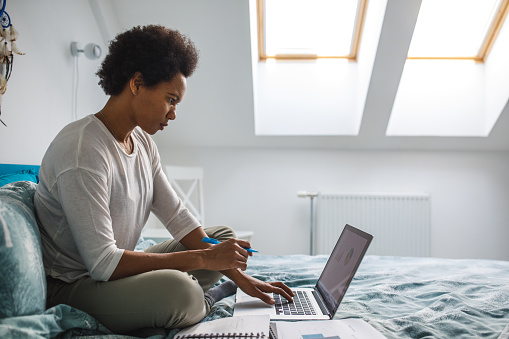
column 93, row 200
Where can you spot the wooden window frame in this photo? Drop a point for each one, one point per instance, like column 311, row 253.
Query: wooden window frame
column 489, row 40
column 354, row 49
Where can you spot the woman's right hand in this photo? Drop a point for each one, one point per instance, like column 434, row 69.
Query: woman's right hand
column 227, row 255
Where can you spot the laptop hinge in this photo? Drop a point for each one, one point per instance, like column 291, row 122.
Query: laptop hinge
column 320, row 302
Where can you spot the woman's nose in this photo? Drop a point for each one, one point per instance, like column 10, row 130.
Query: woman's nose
column 172, row 115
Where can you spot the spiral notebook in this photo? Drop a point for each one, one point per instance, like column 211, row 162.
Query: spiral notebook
column 252, row 326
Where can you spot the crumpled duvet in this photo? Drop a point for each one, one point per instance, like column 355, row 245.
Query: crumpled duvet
column 401, row 297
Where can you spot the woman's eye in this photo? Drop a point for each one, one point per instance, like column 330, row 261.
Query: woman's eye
column 173, row 101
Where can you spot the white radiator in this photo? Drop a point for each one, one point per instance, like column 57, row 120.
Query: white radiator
column 400, row 224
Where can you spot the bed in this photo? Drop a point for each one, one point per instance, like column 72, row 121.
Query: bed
column 405, row 297
column 402, row 297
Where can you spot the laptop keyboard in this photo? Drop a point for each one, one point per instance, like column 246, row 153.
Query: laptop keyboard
column 301, row 304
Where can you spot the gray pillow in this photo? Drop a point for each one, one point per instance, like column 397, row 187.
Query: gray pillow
column 22, row 278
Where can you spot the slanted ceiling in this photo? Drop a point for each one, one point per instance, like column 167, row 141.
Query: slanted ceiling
column 218, row 108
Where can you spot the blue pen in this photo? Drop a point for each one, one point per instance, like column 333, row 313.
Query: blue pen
column 215, row 242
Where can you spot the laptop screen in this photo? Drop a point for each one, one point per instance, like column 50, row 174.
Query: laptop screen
column 342, row 265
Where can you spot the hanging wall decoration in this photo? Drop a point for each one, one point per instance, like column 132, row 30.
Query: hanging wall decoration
column 8, row 48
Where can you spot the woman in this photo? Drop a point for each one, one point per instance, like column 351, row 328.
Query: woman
column 100, row 179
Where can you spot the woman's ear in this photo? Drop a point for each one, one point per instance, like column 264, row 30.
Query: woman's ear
column 135, row 83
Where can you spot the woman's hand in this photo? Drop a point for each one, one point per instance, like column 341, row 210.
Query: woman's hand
column 258, row 289
column 227, row 255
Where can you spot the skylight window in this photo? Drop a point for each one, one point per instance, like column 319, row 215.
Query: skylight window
column 458, row 98
column 457, row 29
column 310, row 29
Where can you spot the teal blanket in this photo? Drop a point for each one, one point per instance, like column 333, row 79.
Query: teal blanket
column 401, row 297
column 411, row 297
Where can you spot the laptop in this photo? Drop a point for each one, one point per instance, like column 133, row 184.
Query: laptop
column 322, row 301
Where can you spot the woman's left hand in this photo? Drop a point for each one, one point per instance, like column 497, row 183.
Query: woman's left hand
column 259, row 289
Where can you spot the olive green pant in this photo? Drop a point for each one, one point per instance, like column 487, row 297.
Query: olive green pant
column 159, row 299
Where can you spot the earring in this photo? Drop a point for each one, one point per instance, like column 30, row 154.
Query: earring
column 136, row 93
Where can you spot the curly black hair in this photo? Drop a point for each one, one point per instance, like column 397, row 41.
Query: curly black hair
column 157, row 52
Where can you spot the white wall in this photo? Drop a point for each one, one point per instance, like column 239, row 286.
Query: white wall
column 256, row 189
column 38, row 101
column 497, row 71
column 306, row 98
column 246, row 187
column 440, row 97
